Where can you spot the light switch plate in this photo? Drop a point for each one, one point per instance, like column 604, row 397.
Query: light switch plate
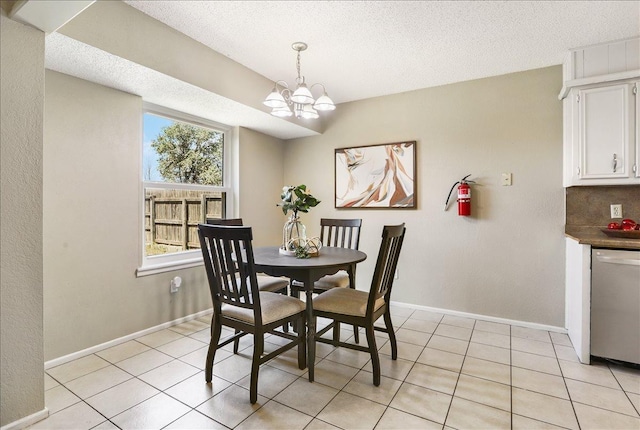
column 506, row 180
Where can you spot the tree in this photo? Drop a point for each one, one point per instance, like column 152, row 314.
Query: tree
column 190, row 155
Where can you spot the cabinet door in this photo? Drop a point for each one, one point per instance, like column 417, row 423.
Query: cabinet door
column 636, row 165
column 605, row 131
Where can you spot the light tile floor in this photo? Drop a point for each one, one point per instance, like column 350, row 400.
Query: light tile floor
column 451, row 373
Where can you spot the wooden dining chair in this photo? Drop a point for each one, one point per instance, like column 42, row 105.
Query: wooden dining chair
column 342, row 233
column 265, row 282
column 362, row 309
column 238, row 303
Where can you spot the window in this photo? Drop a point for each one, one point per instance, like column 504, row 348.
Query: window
column 185, row 180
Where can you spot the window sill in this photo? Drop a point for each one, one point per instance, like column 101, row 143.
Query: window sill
column 154, row 269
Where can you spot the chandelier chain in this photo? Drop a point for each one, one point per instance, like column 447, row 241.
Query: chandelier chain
column 298, row 66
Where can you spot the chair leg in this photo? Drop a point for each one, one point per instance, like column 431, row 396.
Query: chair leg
column 311, row 344
column 236, row 343
column 356, row 333
column 294, row 292
column 285, row 326
column 216, row 329
column 258, row 347
column 336, row 333
column 373, row 351
column 302, row 342
column 392, row 335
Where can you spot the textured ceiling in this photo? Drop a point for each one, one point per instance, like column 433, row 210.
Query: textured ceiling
column 66, row 55
column 362, row 49
column 357, row 49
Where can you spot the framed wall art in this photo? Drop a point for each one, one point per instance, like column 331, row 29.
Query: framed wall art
column 376, row 176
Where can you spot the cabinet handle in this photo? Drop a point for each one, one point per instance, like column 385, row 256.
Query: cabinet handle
column 615, row 163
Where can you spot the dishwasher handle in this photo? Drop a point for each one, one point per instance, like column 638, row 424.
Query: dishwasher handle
column 617, row 260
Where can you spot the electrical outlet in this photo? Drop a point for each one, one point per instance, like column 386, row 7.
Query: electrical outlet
column 616, row 211
column 506, row 179
column 175, row 284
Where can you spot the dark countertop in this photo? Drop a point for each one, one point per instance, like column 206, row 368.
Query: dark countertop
column 595, row 237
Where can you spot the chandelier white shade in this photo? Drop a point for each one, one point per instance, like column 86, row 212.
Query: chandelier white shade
column 301, row 103
column 275, row 100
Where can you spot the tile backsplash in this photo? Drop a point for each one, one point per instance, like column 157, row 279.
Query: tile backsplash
column 590, row 206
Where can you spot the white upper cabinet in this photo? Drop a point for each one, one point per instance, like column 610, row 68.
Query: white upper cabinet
column 604, row 119
column 601, row 115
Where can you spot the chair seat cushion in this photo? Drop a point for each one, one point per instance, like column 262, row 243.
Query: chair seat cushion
column 274, row 307
column 271, row 283
column 339, row 279
column 345, row 301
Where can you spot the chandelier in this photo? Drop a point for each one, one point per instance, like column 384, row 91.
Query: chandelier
column 284, row 103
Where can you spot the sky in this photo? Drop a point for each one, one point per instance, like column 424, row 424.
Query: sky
column 152, row 127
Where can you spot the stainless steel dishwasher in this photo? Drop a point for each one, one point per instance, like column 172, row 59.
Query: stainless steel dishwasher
column 615, row 304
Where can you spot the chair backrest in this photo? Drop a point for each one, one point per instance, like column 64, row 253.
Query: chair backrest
column 230, row 283
column 224, row 221
column 342, row 233
column 392, row 238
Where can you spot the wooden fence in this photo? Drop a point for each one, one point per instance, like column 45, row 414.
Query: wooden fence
column 172, row 218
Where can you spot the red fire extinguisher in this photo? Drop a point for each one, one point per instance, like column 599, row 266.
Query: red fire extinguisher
column 464, row 196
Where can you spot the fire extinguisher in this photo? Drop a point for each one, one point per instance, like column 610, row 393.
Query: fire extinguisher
column 464, row 196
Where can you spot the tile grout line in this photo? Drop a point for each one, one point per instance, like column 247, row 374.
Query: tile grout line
column 637, row 408
column 609, row 388
column 76, row 403
column 272, row 399
column 359, row 370
column 564, row 380
column 459, row 374
column 135, row 377
column 405, row 378
column 414, row 362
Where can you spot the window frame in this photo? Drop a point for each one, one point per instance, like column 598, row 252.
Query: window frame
column 154, row 264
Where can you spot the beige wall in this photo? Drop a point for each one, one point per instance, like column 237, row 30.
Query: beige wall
column 261, row 179
column 21, row 104
column 92, row 217
column 507, row 259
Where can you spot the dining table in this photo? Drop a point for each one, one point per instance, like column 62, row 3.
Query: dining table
column 329, row 260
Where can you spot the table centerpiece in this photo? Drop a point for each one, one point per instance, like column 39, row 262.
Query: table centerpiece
column 294, row 233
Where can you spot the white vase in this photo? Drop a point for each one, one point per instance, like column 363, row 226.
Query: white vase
column 294, row 233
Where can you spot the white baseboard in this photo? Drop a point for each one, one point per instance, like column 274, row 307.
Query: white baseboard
column 27, row 421
column 484, row 317
column 83, row 353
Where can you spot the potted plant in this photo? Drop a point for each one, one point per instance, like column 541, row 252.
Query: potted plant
column 295, row 199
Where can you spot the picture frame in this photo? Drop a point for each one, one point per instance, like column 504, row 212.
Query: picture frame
column 381, row 176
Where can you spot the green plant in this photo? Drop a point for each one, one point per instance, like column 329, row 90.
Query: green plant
column 188, row 154
column 297, row 199
column 301, row 251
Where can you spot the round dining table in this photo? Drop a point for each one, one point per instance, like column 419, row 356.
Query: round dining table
column 270, row 260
